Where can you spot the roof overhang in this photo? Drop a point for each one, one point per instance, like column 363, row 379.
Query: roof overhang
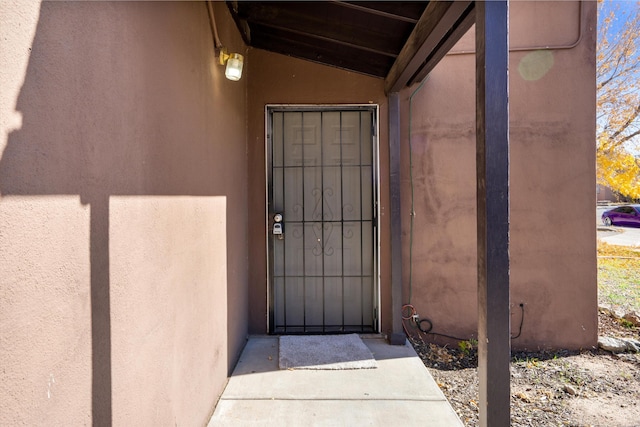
column 440, row 27
column 398, row 41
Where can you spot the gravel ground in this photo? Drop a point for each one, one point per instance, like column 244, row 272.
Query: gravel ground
column 560, row 388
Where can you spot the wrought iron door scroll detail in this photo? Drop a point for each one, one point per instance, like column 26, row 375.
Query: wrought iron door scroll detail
column 322, row 210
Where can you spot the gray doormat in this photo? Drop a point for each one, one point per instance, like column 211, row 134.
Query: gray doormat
column 325, row 352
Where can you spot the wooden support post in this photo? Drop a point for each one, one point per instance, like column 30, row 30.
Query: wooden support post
column 492, row 165
column 397, row 336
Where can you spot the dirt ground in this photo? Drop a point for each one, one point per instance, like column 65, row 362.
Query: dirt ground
column 561, row 388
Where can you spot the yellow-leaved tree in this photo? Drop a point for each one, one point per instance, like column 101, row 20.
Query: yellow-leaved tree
column 618, row 98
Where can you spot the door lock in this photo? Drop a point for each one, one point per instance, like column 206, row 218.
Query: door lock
column 278, row 227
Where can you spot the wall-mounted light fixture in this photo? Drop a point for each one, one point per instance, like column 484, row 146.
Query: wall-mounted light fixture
column 234, row 61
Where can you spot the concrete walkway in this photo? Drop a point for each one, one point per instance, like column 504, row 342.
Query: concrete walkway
column 399, row 392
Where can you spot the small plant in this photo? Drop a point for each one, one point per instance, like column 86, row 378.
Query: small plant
column 625, row 375
column 467, row 346
column 573, row 376
column 529, row 362
column 626, row 324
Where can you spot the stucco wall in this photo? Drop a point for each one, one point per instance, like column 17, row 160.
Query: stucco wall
column 552, row 129
column 123, row 203
column 278, row 79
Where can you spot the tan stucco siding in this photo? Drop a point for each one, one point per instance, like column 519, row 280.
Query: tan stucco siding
column 123, row 203
column 552, row 133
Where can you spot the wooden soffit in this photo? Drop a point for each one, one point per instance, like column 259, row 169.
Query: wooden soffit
column 398, row 41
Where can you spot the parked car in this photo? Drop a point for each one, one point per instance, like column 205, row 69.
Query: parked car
column 622, row 215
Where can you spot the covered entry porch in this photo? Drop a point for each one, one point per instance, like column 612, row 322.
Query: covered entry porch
column 134, row 208
column 326, row 35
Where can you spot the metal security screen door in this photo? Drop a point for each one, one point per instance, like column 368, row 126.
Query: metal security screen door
column 322, row 190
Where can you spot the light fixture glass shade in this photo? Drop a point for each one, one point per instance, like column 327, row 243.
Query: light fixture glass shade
column 234, row 67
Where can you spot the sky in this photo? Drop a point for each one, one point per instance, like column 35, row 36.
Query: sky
column 625, row 7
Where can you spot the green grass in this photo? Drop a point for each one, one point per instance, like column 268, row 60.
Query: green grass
column 619, row 276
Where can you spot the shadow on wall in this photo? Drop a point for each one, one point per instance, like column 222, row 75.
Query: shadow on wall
column 119, row 100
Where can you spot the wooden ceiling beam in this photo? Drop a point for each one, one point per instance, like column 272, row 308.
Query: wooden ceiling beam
column 460, row 30
column 331, row 40
column 370, row 10
column 432, row 33
column 324, row 53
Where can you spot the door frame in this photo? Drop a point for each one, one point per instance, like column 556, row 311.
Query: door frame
column 375, row 110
